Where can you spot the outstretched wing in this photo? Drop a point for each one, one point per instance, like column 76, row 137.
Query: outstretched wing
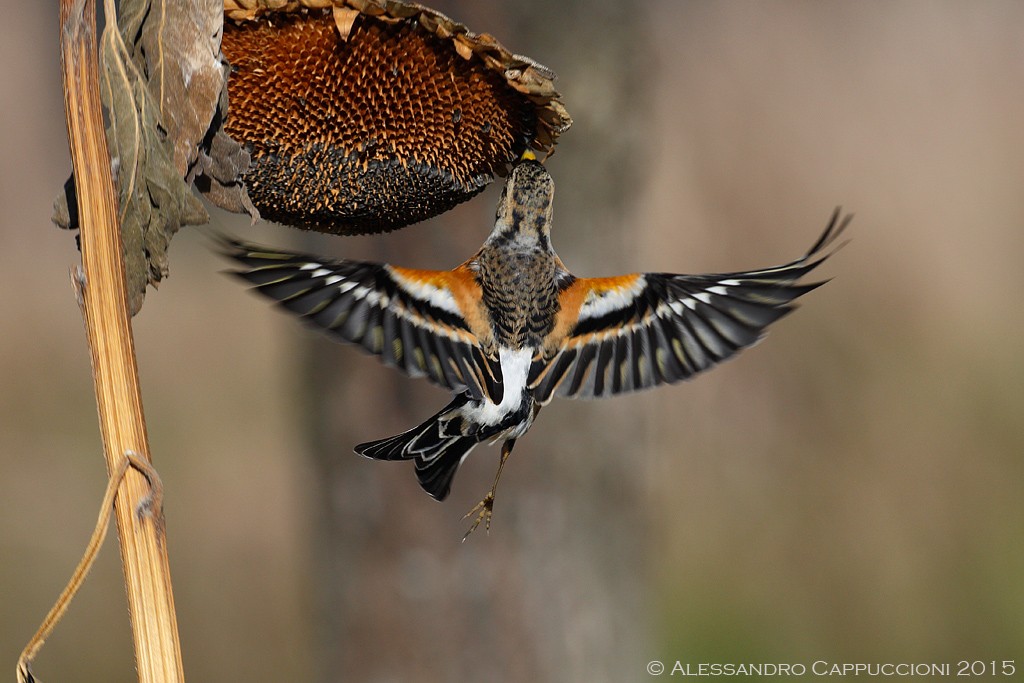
column 418, row 321
column 615, row 335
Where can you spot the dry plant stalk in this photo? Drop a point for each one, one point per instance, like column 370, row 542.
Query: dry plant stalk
column 108, row 326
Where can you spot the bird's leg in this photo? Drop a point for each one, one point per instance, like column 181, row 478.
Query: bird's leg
column 485, row 508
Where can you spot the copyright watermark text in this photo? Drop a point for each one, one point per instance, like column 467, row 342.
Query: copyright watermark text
column 823, row 668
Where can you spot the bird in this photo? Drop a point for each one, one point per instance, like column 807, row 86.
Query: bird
column 511, row 328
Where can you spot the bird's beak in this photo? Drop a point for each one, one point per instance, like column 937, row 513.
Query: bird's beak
column 528, row 155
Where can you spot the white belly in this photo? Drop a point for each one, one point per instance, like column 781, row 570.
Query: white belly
column 515, row 368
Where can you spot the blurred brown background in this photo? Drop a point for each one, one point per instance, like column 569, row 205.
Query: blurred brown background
column 850, row 490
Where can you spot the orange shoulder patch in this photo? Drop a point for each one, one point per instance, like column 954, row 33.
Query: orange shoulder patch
column 469, row 297
column 413, row 277
column 572, row 299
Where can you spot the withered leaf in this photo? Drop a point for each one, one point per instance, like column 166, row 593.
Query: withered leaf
column 180, row 42
column 163, row 83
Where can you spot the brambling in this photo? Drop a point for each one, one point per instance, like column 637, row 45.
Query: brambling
column 511, row 328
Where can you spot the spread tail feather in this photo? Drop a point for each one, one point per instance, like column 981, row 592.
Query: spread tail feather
column 436, row 450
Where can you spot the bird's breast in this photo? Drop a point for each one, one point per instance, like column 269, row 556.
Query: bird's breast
column 520, row 294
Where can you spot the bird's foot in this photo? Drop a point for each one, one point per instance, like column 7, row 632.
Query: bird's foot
column 484, row 510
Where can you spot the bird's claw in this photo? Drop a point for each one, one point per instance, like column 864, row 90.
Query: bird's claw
column 484, row 510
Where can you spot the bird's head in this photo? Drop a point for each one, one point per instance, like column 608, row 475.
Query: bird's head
column 525, row 208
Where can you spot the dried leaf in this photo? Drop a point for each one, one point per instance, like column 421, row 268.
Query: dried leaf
column 181, row 45
column 163, row 83
column 154, row 199
column 219, row 170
